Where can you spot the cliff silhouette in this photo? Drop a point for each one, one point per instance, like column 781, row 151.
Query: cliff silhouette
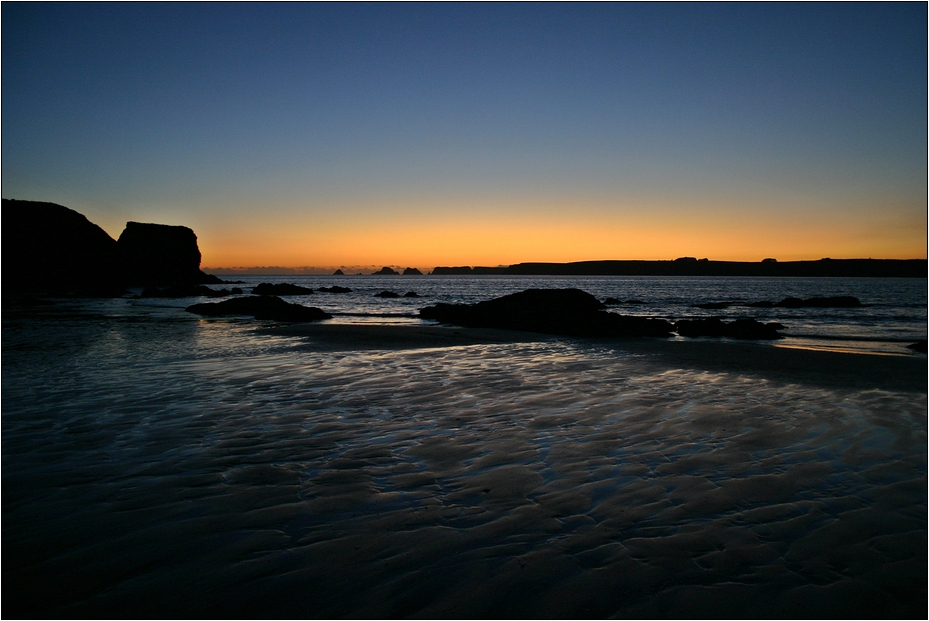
column 49, row 249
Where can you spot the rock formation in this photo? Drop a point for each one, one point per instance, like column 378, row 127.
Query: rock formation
column 412, row 271
column 187, row 291
column 50, row 249
column 334, row 289
column 159, row 254
column 260, row 307
column 569, row 312
column 387, row 294
column 284, row 288
column 386, row 271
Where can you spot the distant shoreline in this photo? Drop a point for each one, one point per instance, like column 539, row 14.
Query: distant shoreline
column 686, row 266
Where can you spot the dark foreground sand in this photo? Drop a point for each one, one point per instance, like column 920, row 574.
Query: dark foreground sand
column 790, row 365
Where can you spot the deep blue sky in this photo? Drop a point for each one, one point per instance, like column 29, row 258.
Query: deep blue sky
column 314, row 134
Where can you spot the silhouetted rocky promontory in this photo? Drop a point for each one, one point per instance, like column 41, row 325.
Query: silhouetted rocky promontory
column 569, row 312
column 386, row 271
column 49, row 249
column 260, row 307
column 412, row 271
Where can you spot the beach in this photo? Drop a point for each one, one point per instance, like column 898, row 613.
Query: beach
column 157, row 464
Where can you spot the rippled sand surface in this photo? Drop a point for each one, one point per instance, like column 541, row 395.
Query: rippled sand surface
column 176, row 467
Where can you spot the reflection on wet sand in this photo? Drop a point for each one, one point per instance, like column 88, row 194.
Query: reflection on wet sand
column 265, row 476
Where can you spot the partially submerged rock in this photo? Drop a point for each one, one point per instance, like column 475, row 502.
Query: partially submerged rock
column 745, row 329
column 569, row 312
column 260, row 307
column 334, row 289
column 387, row 294
column 919, row 346
column 187, row 291
column 411, row 294
column 284, row 288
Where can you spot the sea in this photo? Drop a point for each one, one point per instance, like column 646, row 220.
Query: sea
column 159, row 464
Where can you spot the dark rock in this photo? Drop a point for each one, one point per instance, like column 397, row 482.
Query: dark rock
column 236, row 291
column 387, row 294
column 158, row 254
column 919, row 346
column 338, row 273
column 569, row 312
column 386, row 271
column 284, row 288
column 185, row 291
column 762, row 304
column 335, row 289
column 260, row 307
column 452, row 271
column 841, row 301
column 713, row 305
column 52, row 250
column 411, row 294
column 612, row 302
column 746, row 329
column 412, row 271
column 633, row 302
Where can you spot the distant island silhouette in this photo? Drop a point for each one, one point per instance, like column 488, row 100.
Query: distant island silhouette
column 688, row 266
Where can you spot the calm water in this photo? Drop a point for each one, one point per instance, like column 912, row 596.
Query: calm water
column 157, row 464
column 893, row 315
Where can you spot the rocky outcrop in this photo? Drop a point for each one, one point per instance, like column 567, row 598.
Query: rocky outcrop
column 159, row 254
column 52, row 250
column 412, row 271
column 411, row 294
column 386, row 271
column 260, row 307
column 744, row 329
column 569, row 312
column 387, row 294
column 284, row 288
column 334, row 289
column 338, row 273
column 187, row 291
column 919, row 346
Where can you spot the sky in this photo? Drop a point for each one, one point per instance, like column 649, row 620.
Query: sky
column 310, row 134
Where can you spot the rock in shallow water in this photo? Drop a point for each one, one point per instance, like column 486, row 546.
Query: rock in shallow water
column 261, row 307
column 284, row 288
column 569, row 312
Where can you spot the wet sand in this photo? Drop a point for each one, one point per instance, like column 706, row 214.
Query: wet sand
column 789, row 365
column 198, row 469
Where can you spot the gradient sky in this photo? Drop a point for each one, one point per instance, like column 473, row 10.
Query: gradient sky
column 480, row 134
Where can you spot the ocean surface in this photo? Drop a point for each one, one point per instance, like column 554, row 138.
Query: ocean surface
column 155, row 463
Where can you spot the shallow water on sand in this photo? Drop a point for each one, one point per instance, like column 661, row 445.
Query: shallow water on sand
column 155, row 465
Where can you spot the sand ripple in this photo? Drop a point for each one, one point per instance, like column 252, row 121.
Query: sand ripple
column 206, row 471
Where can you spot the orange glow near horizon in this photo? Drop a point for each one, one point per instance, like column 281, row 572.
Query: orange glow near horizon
column 508, row 239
